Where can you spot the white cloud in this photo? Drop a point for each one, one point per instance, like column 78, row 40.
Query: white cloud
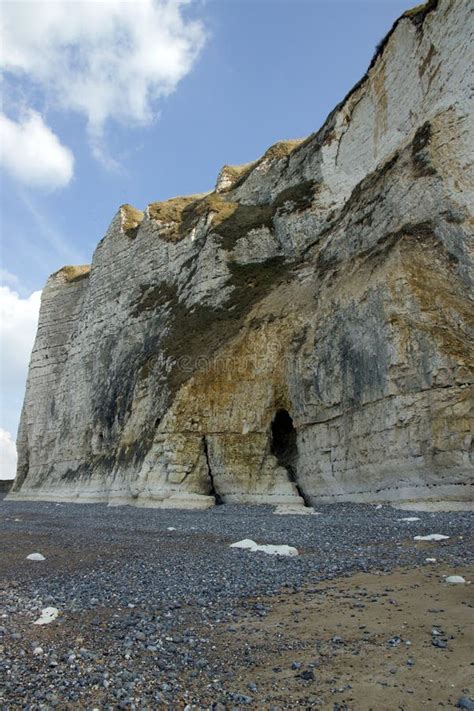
column 18, row 323
column 7, row 455
column 8, row 278
column 33, row 154
column 106, row 60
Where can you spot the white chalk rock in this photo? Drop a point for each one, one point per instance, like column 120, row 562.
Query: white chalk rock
column 245, row 543
column 430, row 560
column 409, row 519
column 35, row 556
column 269, row 549
column 455, row 579
column 432, row 537
column 48, row 615
column 171, row 528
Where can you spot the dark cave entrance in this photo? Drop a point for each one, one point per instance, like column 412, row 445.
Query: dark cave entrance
column 284, row 447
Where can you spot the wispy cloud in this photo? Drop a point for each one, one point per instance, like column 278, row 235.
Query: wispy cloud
column 108, row 60
column 51, row 234
column 9, row 279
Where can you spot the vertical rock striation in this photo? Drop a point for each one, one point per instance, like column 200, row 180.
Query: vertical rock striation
column 299, row 333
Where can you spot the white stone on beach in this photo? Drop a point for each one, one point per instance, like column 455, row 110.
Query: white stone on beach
column 454, row 579
column 248, row 544
column 409, row 519
column 431, row 537
column 35, row 556
column 244, row 543
column 48, row 615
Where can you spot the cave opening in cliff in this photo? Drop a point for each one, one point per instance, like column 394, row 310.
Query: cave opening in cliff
column 284, row 446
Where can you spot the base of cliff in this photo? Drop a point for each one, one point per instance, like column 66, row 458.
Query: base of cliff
column 450, row 495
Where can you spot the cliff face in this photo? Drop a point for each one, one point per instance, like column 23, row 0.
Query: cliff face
column 301, row 332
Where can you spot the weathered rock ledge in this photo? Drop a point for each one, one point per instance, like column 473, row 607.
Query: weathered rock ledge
column 301, row 333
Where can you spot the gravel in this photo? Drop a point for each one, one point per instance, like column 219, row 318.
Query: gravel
column 138, row 588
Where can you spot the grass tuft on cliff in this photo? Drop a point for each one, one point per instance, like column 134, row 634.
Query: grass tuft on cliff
column 131, row 219
column 230, row 220
column 71, row 273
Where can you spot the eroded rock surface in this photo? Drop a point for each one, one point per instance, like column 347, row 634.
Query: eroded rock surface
column 301, row 333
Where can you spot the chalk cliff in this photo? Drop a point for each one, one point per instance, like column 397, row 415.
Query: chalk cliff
column 299, row 333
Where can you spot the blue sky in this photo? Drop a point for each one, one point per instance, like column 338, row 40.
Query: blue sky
column 96, row 114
